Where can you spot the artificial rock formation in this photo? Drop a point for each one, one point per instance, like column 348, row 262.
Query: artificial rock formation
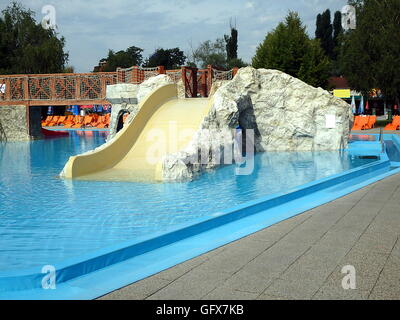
column 284, row 113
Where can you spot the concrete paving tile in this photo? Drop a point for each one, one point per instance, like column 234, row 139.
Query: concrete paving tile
column 302, row 289
column 338, row 293
column 139, row 290
column 316, row 265
column 275, row 261
column 249, row 281
column 181, row 269
column 276, row 232
column 342, row 238
column 234, row 259
column 225, row 293
column 267, row 297
column 191, row 286
column 377, row 242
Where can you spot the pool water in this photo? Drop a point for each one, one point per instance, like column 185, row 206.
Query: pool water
column 44, row 219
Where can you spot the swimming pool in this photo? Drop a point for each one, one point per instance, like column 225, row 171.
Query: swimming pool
column 44, row 219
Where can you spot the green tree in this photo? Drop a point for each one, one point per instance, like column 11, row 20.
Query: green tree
column 169, row 58
column 337, row 28
column 132, row 56
column 210, row 53
column 370, row 54
column 284, row 47
column 324, row 30
column 315, row 67
column 289, row 49
column 26, row 47
column 231, row 44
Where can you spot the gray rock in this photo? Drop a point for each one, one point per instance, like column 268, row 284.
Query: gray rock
column 284, row 113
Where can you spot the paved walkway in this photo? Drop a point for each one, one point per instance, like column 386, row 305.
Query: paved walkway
column 300, row 258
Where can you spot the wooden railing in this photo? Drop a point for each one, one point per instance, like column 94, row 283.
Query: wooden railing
column 56, row 89
column 90, row 88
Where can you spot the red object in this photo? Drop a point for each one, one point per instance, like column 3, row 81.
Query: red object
column 87, row 107
column 395, row 107
column 52, row 134
column 367, row 106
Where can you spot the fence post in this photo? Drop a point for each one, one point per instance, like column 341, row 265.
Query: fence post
column 209, row 78
column 203, row 80
column 119, row 75
column 161, row 70
column 184, row 80
column 194, row 82
column 103, row 87
column 136, row 79
column 25, row 85
column 77, row 88
column 52, row 84
column 8, row 90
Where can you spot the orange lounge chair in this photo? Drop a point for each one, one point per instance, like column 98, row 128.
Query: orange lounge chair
column 95, row 119
column 47, row 121
column 71, row 123
column 54, row 121
column 61, row 120
column 79, row 122
column 97, row 122
column 102, row 122
column 394, row 125
column 360, row 123
column 87, row 121
column 68, row 120
column 371, row 122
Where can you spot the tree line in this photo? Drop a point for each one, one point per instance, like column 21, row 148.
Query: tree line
column 221, row 53
column 368, row 56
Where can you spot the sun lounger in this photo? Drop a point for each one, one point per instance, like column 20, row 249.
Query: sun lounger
column 47, row 121
column 394, row 125
column 360, row 123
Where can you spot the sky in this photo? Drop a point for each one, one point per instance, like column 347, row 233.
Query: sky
column 92, row 27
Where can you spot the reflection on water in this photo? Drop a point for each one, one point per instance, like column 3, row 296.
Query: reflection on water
column 44, row 219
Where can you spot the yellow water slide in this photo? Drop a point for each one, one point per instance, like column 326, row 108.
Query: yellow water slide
column 163, row 125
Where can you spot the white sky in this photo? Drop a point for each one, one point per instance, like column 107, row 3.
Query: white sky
column 91, row 27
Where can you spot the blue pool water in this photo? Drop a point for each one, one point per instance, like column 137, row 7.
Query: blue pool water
column 44, row 220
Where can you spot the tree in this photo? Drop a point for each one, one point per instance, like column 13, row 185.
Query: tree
column 289, row 49
column 369, row 54
column 169, row 58
column 315, row 67
column 231, row 44
column 132, row 56
column 337, row 27
column 284, row 47
column 324, row 32
column 26, row 47
column 208, row 52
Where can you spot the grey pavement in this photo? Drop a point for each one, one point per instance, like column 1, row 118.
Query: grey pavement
column 300, row 258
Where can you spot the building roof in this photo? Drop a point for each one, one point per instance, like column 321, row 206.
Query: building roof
column 338, row 83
